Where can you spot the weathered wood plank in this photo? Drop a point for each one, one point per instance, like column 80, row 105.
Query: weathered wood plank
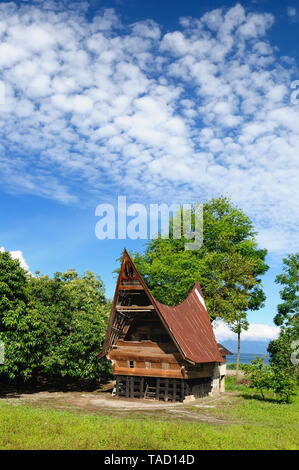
column 147, row 372
column 155, row 359
column 141, row 387
column 134, row 308
column 130, row 287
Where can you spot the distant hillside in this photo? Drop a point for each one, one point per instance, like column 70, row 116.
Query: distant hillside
column 252, row 347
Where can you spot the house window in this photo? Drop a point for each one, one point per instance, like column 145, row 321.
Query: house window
column 164, row 366
column 131, row 364
column 147, row 365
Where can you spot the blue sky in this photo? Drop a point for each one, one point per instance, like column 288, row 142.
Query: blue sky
column 165, row 101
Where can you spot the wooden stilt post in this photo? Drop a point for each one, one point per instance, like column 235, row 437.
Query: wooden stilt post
column 166, row 389
column 132, row 387
column 141, row 391
column 182, row 390
column 157, row 389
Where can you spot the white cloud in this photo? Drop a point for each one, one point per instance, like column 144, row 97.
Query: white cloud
column 92, row 106
column 17, row 255
column 291, row 12
column 255, row 332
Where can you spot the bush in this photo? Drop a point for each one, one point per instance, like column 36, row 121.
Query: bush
column 259, row 375
column 51, row 326
column 233, row 366
column 283, row 385
column 268, row 378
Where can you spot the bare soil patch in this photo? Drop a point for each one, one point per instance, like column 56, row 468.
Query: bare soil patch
column 101, row 402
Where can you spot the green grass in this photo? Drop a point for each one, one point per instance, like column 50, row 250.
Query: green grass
column 231, row 386
column 249, row 424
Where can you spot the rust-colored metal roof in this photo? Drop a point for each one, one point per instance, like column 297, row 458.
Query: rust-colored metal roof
column 224, row 352
column 190, row 324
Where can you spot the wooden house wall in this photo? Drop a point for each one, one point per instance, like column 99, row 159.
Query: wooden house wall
column 146, row 349
column 143, row 346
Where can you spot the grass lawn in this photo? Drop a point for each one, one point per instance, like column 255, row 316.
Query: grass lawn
column 249, row 424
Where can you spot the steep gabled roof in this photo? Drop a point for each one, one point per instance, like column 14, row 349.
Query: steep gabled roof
column 224, row 352
column 191, row 325
column 188, row 323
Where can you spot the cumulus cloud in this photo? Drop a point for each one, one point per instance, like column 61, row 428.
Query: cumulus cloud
column 291, row 12
column 255, row 332
column 96, row 106
column 17, row 255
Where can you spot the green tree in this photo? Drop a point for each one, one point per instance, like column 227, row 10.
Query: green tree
column 237, row 327
column 260, row 375
column 13, row 309
column 171, row 271
column 13, row 281
column 75, row 313
column 53, row 326
column 228, row 265
column 281, row 349
column 289, row 280
column 269, row 378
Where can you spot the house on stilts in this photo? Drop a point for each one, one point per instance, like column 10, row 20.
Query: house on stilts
column 158, row 351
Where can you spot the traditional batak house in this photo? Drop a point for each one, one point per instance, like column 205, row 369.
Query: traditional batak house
column 159, row 351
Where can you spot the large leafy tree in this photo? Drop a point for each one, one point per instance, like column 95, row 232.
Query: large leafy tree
column 53, row 326
column 13, row 314
column 282, row 348
column 228, row 265
column 289, row 280
column 78, row 320
column 13, row 298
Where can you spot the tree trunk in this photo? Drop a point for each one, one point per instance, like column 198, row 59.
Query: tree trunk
column 238, row 357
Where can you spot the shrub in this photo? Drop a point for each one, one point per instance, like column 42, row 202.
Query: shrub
column 268, row 378
column 259, row 375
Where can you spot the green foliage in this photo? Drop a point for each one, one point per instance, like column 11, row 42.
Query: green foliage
column 228, row 265
column 281, row 349
column 52, row 326
column 13, row 297
column 269, row 378
column 240, row 324
column 289, row 279
column 13, row 319
column 283, row 384
column 260, row 375
column 233, row 365
column 76, row 312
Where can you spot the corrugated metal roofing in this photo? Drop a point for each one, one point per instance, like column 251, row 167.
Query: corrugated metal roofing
column 223, row 350
column 190, row 324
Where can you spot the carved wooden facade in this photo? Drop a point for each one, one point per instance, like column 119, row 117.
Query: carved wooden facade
column 159, row 351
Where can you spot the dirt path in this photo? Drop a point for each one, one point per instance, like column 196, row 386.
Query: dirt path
column 102, row 403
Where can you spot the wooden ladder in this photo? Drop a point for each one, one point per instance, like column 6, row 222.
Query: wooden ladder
column 150, row 392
